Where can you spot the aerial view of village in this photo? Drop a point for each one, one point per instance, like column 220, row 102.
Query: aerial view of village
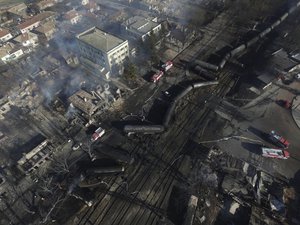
column 149, row 112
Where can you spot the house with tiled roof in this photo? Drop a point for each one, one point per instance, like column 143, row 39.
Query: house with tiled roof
column 46, row 31
column 27, row 39
column 45, row 4
column 35, row 21
column 92, row 6
column 10, row 52
column 5, row 35
column 72, row 16
column 18, row 10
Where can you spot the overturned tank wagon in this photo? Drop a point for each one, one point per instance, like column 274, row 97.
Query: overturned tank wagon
column 207, row 65
column 284, row 16
column 114, row 153
column 238, row 50
column 203, row 84
column 251, row 42
column 292, row 9
column 189, row 88
column 143, row 129
column 265, row 32
column 169, row 113
column 206, row 75
column 106, row 170
column 183, row 93
column 222, row 63
column 275, row 24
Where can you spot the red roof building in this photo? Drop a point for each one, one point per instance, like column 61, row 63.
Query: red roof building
column 45, row 4
column 34, row 21
column 72, row 16
column 5, row 35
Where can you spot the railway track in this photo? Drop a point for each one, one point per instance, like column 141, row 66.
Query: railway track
column 143, row 178
column 170, row 181
column 166, row 179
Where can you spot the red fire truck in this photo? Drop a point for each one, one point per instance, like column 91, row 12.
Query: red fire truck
column 278, row 140
column 157, row 76
column 168, row 65
column 275, row 153
column 97, row 134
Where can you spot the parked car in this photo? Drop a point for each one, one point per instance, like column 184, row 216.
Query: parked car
column 76, row 146
column 167, row 94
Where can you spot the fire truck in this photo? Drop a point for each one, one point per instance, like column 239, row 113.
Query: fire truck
column 157, row 76
column 275, row 153
column 97, row 134
column 278, row 140
column 168, row 65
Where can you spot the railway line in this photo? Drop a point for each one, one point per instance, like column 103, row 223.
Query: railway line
column 160, row 187
column 167, row 181
column 108, row 209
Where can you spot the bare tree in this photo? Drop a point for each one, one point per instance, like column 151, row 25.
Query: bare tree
column 60, row 164
column 89, row 150
column 20, row 194
column 58, row 200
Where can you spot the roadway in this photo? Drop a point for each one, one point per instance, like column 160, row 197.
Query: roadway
column 264, row 115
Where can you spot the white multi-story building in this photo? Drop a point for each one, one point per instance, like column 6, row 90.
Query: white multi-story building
column 140, row 27
column 102, row 51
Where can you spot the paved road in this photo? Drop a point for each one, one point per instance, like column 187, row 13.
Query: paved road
column 266, row 115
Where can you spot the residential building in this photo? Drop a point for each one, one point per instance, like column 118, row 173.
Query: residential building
column 84, row 101
column 5, row 18
column 92, row 6
column 35, row 21
column 45, row 4
column 46, row 31
column 70, row 58
column 35, row 158
column 5, row 35
column 278, row 65
column 102, row 51
column 10, row 52
column 18, row 11
column 5, row 106
column 140, row 27
column 72, row 16
column 28, row 39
